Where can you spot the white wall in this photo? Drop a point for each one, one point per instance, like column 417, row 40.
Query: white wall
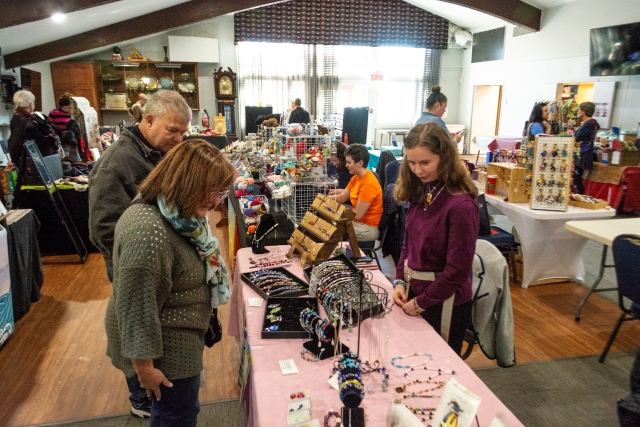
column 558, row 53
column 450, row 75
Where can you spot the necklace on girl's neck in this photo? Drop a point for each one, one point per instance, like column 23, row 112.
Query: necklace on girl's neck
column 430, row 198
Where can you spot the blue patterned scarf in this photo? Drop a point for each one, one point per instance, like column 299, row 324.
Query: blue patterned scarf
column 197, row 230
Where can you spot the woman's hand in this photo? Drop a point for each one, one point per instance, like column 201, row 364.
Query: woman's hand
column 150, row 378
column 10, row 167
column 399, row 295
column 410, row 308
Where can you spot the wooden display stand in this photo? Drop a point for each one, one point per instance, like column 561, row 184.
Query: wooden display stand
column 511, row 182
column 318, row 234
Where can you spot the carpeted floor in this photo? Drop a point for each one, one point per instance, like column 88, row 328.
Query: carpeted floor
column 566, row 392
column 214, row 414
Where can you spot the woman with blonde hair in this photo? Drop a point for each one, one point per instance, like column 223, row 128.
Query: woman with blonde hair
column 135, row 114
column 433, row 274
column 168, row 276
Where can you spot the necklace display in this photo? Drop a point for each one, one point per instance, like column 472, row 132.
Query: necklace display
column 430, row 197
column 256, row 259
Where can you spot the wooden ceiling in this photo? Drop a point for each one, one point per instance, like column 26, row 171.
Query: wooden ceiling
column 514, row 11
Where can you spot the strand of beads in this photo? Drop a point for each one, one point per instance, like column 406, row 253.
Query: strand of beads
column 406, row 356
column 330, row 415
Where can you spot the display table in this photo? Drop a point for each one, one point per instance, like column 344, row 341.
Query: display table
column 602, row 231
column 268, row 390
column 25, row 264
column 374, row 156
column 492, row 143
column 549, row 251
column 606, row 182
column 388, row 132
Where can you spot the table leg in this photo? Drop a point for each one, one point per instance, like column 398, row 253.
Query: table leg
column 592, row 288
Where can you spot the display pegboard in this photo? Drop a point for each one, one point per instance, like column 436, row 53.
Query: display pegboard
column 552, row 168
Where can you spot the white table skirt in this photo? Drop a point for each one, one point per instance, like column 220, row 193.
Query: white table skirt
column 549, row 250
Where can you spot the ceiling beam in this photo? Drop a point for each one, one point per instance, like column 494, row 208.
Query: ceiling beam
column 16, row 12
column 514, row 11
column 141, row 26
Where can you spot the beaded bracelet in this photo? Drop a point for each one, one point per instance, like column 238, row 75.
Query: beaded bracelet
column 331, row 414
column 399, row 282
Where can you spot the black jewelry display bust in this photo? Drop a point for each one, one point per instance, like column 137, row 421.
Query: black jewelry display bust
column 326, row 349
column 352, row 417
column 266, row 226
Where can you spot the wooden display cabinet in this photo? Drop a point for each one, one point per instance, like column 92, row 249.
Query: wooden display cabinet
column 78, row 78
column 129, row 77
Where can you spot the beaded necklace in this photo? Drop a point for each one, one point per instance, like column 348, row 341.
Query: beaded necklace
column 440, row 372
column 393, row 360
column 439, row 385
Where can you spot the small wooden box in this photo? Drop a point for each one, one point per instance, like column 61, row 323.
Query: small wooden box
column 511, row 181
column 624, row 158
column 592, row 206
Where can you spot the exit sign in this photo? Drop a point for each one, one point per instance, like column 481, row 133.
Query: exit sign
column 376, row 77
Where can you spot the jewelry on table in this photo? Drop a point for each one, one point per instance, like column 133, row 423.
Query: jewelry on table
column 439, row 372
column 330, row 415
column 406, row 356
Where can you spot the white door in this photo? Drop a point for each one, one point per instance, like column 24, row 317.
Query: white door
column 485, row 114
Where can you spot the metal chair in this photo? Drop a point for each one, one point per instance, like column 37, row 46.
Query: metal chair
column 626, row 256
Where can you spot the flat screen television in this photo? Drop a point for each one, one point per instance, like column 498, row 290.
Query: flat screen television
column 615, row 51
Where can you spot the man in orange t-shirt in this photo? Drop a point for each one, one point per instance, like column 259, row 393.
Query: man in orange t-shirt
column 365, row 194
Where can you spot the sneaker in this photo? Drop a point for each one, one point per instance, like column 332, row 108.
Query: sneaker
column 141, row 410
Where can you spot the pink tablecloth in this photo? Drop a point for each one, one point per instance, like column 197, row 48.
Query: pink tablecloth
column 492, row 143
column 269, row 390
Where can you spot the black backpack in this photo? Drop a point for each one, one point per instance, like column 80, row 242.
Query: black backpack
column 45, row 134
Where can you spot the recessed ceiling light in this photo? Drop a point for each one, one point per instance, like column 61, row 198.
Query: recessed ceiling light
column 57, row 17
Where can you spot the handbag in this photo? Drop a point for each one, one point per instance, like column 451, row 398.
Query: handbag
column 214, row 333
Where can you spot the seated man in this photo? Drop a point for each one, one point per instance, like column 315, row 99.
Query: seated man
column 365, row 194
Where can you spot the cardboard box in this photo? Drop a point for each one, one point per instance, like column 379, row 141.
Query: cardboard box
column 624, row 158
column 516, row 274
column 511, row 182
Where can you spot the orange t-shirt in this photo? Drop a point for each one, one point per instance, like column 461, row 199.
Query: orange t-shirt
column 367, row 190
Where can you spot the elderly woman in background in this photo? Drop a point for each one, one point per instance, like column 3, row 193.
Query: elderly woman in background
column 433, row 274
column 167, row 278
column 25, row 103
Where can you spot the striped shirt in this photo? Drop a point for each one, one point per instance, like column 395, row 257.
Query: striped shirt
column 59, row 118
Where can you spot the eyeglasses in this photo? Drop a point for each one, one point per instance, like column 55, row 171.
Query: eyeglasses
column 220, row 195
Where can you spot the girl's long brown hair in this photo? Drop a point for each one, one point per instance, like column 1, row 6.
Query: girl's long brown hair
column 187, row 175
column 451, row 171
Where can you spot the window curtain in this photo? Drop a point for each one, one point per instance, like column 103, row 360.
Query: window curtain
column 339, row 22
column 431, row 76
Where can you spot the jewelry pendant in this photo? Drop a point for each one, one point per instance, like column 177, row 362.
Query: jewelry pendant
column 428, row 197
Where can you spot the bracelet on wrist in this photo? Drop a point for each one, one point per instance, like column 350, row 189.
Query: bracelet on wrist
column 399, row 282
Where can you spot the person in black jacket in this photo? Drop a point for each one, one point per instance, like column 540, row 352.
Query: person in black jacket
column 299, row 115
column 585, row 135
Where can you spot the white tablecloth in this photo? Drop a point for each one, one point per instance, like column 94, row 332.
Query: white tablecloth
column 549, row 250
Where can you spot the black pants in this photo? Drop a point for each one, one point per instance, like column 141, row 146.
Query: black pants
column 577, row 179
column 460, row 321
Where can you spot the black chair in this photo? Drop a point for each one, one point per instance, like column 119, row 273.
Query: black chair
column 369, row 247
column 391, row 172
column 501, row 239
column 626, row 257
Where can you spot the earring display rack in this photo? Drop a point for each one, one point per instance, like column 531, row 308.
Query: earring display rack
column 322, row 229
column 552, row 171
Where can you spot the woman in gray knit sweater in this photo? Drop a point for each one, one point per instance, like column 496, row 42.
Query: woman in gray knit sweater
column 167, row 278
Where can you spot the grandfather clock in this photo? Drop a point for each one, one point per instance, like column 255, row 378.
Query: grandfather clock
column 226, row 93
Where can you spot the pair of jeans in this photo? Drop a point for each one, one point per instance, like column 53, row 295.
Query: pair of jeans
column 178, row 405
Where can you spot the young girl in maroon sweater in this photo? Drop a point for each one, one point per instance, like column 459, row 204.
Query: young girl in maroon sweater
column 440, row 234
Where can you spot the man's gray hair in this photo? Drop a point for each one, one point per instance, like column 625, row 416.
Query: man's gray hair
column 23, row 98
column 163, row 100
